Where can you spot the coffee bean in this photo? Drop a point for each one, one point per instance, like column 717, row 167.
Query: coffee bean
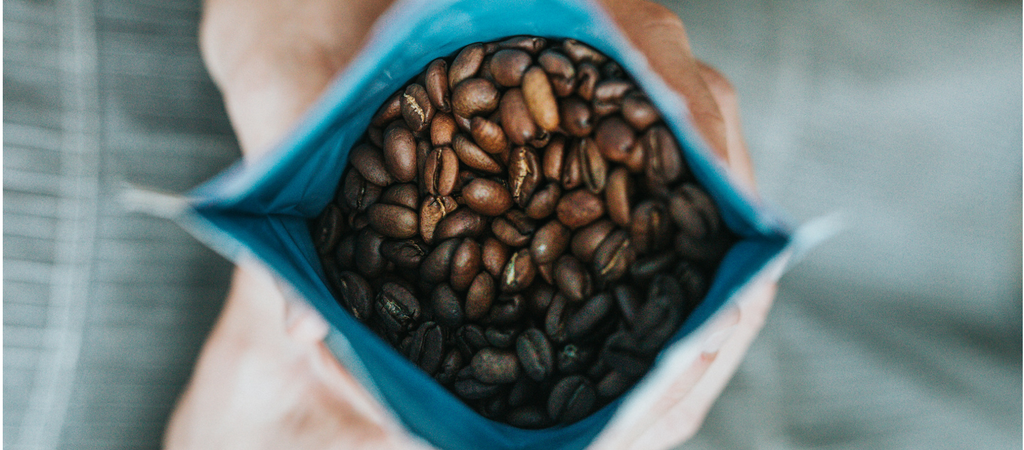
column 650, row 228
column 489, row 135
column 433, row 210
column 393, row 221
column 447, row 309
column 417, row 109
column 638, row 111
column 397, row 307
column 389, row 111
column 523, row 391
column 480, row 296
column 508, row 67
column 475, row 390
column 693, row 212
column 573, row 279
column 503, row 337
column 436, row 83
column 529, row 44
column 587, row 77
column 554, row 156
column 579, row 208
column 523, row 174
column 535, row 354
column 529, row 417
column 359, row 194
column 572, row 399
column 487, row 197
column 614, row 138
column 579, row 52
column 466, row 264
column 593, row 167
column 560, row 71
column 646, row 268
column 405, row 194
column 693, row 282
column 327, row 229
column 442, row 129
column 664, row 163
column 369, row 161
column 556, row 318
column 575, row 116
column 573, row 358
column 491, row 365
column 614, row 384
column 355, row 294
column 622, row 353
column 617, row 194
column 450, row 366
column 544, row 201
column 406, row 254
column 540, row 99
column 400, row 154
column 587, row 239
column 427, row 347
column 538, row 298
column 475, row 96
column 590, row 316
column 440, row 171
column 613, row 257
column 493, row 408
column 462, row 223
column 437, row 265
column 519, row 272
column 612, row 69
column 344, row 252
column 495, row 255
column 550, row 242
column 370, row 262
column 608, row 96
column 470, row 339
column 473, row 156
column 465, row 65
column 572, row 169
column 515, row 117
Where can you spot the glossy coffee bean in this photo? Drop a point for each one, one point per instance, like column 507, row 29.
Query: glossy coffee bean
column 495, row 255
column 436, row 267
column 388, row 112
column 523, row 174
column 400, row 154
column 471, row 155
column 518, row 273
column 613, row 257
column 436, row 84
column 516, row 119
column 442, row 129
column 462, row 223
column 554, row 156
column 440, row 171
column 359, row 194
column 432, row 211
column 466, row 264
column 406, row 254
column 489, row 135
column 508, row 66
column 614, row 138
column 491, row 365
column 572, row 399
column 549, row 242
column 475, row 96
column 465, row 65
column 487, row 197
column 480, row 296
column 579, row 52
column 575, row 116
column 417, row 108
column 579, row 208
column 617, row 196
column 540, row 99
column 404, row 194
column 638, row 111
column 544, row 201
column 369, row 161
column 393, row 221
column 587, row 76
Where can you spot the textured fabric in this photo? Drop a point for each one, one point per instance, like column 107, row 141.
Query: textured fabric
column 902, row 332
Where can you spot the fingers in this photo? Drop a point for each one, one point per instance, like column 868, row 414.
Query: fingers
column 728, row 103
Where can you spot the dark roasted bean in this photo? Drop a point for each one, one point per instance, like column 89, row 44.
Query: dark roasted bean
column 535, row 354
column 475, row 96
column 370, row 262
column 579, row 208
column 355, row 294
column 436, row 83
column 369, row 161
column 573, row 279
column 442, row 129
column 540, row 99
column 359, row 194
column 406, row 254
column 593, row 167
column 613, row 257
column 399, row 154
column 450, row 365
column 475, row 390
column 560, row 71
column 398, row 307
column 440, row 171
column 491, row 365
column 573, row 358
column 614, row 138
column 433, row 210
column 587, row 77
column 622, row 352
column 664, row 163
column 694, row 212
column 436, row 267
column 417, row 109
column 544, row 201
column 503, row 337
column 393, row 221
column 554, row 156
column 572, row 399
column 447, row 309
column 614, row 384
column 480, row 296
column 529, row 416
column 389, row 111
column 638, row 111
column 590, row 316
column 470, row 339
column 327, row 229
column 462, row 223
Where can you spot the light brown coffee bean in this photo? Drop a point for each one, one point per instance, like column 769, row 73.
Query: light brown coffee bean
column 617, row 193
column 480, row 296
column 587, row 239
column 554, row 156
column 489, row 135
column 638, row 111
column 393, row 221
column 578, row 52
column 579, row 208
column 507, row 66
column 466, row 264
column 587, row 77
column 576, row 117
column 440, row 171
column 515, row 117
column 487, row 197
column 593, row 167
column 523, row 174
column 442, row 128
column 495, row 255
column 615, row 138
column 465, row 65
column 636, row 160
column 549, row 242
column 540, row 99
column 543, row 202
column 518, row 273
column 475, row 96
column 432, row 211
column 528, row 44
column 473, row 156
column 369, row 161
column 436, row 83
column 417, row 109
column 561, row 72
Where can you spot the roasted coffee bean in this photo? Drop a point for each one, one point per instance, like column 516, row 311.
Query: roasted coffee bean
column 587, row 239
column 369, row 161
column 544, row 201
column 704, row 250
column 554, row 156
column 593, row 167
column 516, row 119
column 400, row 154
column 494, row 408
column 327, row 229
column 447, row 310
column 523, row 174
column 587, row 77
column 375, row 135
column 344, row 252
column 538, row 298
column 694, row 212
column 529, row 44
column 519, row 272
column 462, row 223
column 452, row 363
column 572, row 170
column 436, row 83
column 547, row 272
column 432, row 211
column 393, row 221
column 487, row 197
column 523, row 391
column 573, row 279
column 528, row 416
column 514, row 228
column 612, row 69
column 417, row 109
column 614, row 384
column 664, row 163
column 436, row 267
column 613, row 257
column 405, row 254
column 466, row 264
column 480, row 296
column 658, row 319
column 535, row 354
column 638, row 111
column 427, row 347
column 491, row 365
column 614, row 138
column 573, row 358
column 404, row 194
column 575, row 116
column 646, row 268
column 440, row 171
column 475, row 390
column 550, row 242
column 389, row 111
column 508, row 309
column 442, row 129
column 503, row 337
column 489, row 135
column 579, row 208
column 355, row 294
column 370, row 262
column 473, row 156
column 495, row 255
column 608, row 96
column 540, row 99
column 508, row 66
column 650, row 228
column 556, row 318
column 572, row 399
column 617, row 193
column 590, row 316
column 622, row 352
column 470, row 339
column 359, row 194
column 560, row 71
column 579, row 52
column 397, row 307
column 465, row 65
column 475, row 96
column 693, row 282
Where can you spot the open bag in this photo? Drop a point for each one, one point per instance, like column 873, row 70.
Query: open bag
column 261, row 209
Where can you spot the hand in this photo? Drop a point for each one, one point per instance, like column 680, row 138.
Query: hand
column 264, row 378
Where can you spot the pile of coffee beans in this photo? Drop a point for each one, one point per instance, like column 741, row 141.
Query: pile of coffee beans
column 520, row 223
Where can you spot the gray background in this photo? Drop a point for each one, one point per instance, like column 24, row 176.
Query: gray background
column 902, row 332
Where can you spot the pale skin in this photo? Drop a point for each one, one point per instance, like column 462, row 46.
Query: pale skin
column 264, row 378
